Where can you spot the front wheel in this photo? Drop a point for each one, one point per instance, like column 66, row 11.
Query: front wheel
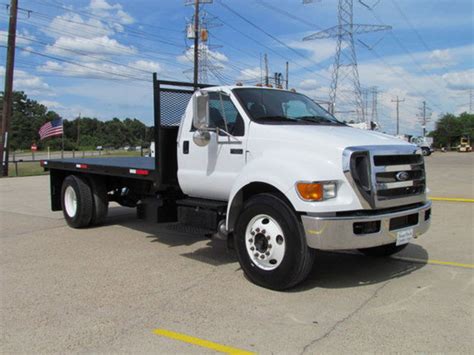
column 383, row 250
column 270, row 243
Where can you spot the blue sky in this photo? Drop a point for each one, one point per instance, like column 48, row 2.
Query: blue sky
column 95, row 57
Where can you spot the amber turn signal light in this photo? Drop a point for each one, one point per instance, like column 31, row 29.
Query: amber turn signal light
column 310, row 191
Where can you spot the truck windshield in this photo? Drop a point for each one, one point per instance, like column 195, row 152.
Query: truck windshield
column 270, row 106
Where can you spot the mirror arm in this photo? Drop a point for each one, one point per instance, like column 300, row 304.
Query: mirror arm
column 230, row 136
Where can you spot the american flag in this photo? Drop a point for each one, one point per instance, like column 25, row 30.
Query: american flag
column 52, row 128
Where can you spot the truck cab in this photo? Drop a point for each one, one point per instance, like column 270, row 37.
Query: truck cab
column 277, row 176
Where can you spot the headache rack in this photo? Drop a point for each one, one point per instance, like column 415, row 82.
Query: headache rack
column 170, row 100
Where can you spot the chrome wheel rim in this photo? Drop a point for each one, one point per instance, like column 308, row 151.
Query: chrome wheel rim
column 265, row 242
column 70, row 201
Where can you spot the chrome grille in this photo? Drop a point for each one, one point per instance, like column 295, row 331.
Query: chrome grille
column 386, row 176
column 398, row 176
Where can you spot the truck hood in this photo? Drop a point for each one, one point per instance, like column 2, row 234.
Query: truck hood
column 336, row 137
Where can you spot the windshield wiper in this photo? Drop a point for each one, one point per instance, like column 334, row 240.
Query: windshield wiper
column 319, row 119
column 276, row 118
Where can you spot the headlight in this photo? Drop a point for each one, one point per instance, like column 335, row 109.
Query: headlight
column 316, row 191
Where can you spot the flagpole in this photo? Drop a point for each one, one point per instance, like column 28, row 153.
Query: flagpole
column 62, row 148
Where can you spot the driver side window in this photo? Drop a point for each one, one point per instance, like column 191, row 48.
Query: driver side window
column 225, row 110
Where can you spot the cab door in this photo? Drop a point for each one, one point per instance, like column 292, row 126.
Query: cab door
column 210, row 171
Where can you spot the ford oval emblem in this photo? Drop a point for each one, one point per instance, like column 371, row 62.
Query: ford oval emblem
column 402, row 176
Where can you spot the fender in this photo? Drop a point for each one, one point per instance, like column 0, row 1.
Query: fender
column 279, row 171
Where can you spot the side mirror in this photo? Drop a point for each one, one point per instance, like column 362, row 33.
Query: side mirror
column 201, row 138
column 201, row 110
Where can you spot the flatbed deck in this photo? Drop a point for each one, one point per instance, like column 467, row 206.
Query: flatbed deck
column 131, row 167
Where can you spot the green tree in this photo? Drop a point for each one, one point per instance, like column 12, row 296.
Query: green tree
column 450, row 129
column 27, row 118
column 79, row 133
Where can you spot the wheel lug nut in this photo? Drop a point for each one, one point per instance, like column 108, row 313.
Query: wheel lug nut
column 250, row 240
column 256, row 255
column 269, row 246
column 252, row 248
column 262, row 256
column 268, row 237
column 258, row 230
column 263, row 231
column 267, row 253
column 252, row 232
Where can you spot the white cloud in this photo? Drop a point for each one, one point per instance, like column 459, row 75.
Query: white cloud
column 250, row 74
column 114, row 12
column 440, row 58
column 216, row 56
column 100, row 70
column 69, row 24
column 462, row 80
column 309, row 84
column 97, row 46
column 22, row 38
column 31, row 84
column 320, row 50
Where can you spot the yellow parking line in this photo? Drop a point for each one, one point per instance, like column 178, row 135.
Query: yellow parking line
column 434, row 262
column 452, row 199
column 200, row 342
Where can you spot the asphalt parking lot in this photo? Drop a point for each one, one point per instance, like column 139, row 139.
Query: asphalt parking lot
column 110, row 288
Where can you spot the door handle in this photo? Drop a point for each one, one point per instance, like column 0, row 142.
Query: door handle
column 236, row 151
column 186, row 147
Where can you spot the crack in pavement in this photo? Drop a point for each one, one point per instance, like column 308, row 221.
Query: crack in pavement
column 346, row 318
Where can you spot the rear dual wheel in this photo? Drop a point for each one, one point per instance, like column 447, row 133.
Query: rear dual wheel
column 84, row 202
column 270, row 243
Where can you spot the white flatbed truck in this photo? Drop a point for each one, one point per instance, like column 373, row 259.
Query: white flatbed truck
column 268, row 169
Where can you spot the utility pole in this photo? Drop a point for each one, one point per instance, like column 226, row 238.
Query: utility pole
column 288, row 73
column 375, row 115
column 196, row 43
column 365, row 95
column 265, row 59
column 424, row 119
column 397, row 101
column 424, row 115
column 8, row 93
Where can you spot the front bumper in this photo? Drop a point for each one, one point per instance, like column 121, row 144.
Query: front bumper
column 347, row 232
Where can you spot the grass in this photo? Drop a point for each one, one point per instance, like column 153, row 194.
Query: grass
column 26, row 169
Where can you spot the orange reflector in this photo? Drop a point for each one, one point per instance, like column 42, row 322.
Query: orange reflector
column 310, row 191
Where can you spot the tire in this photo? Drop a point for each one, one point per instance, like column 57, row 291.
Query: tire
column 286, row 258
column 100, row 201
column 383, row 250
column 426, row 152
column 76, row 201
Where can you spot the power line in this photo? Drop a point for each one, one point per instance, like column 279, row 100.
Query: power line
column 273, row 37
column 417, row 33
column 79, row 64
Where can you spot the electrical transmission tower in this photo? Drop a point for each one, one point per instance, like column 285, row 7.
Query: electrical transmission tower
column 345, row 61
